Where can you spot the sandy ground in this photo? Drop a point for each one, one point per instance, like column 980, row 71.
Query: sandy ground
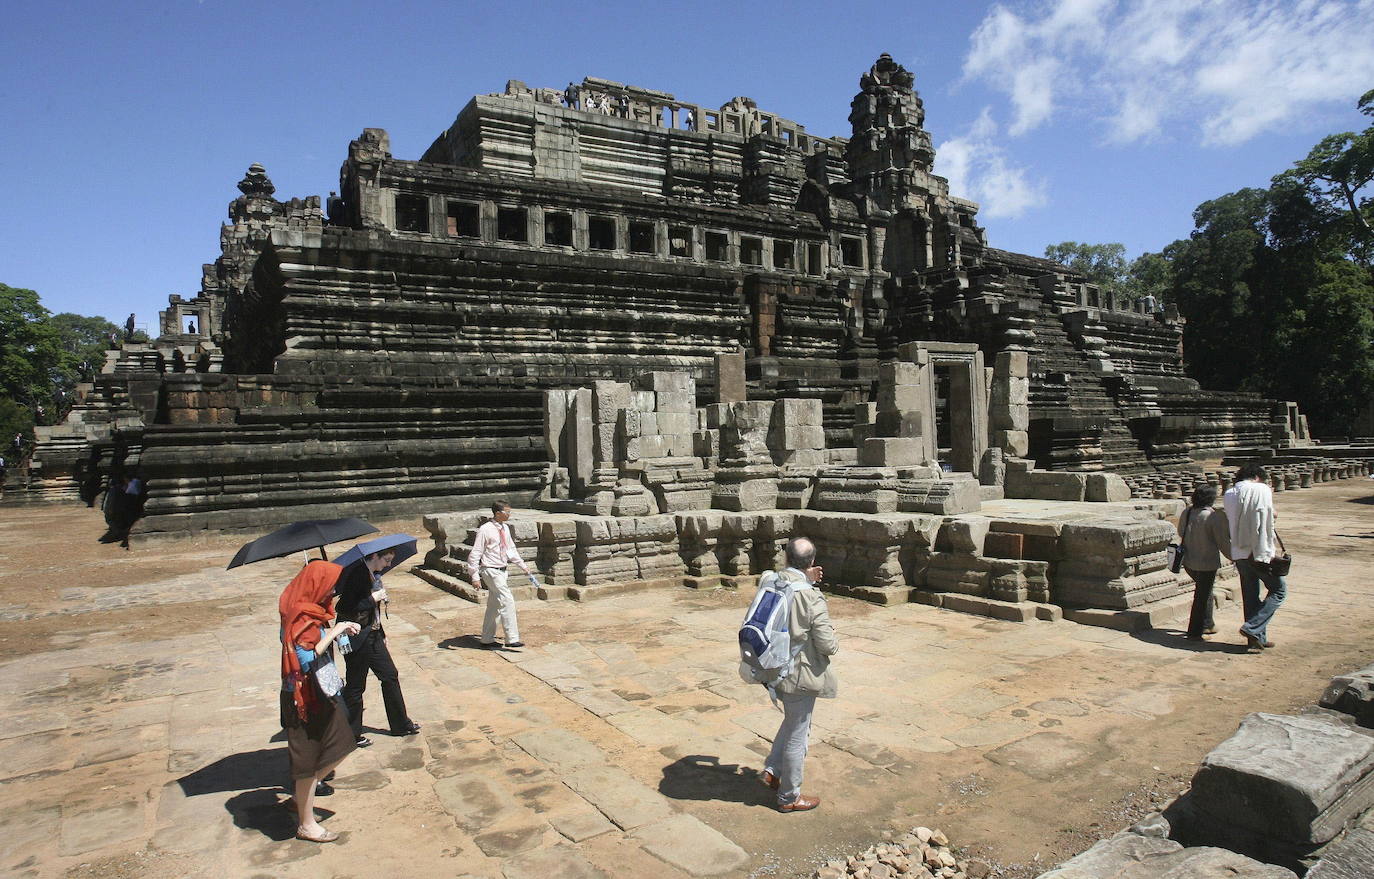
column 140, row 739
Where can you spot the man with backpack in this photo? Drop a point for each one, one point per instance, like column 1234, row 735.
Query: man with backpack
column 807, row 643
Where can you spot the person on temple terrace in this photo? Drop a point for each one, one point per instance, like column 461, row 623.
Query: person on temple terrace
column 361, row 595
column 810, row 677
column 1206, row 538
column 318, row 736
column 492, row 551
column 1250, row 512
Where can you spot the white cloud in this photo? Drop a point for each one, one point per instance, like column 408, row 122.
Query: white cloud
column 1227, row 69
column 980, row 169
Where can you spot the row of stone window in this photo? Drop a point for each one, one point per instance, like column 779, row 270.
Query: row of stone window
column 512, row 224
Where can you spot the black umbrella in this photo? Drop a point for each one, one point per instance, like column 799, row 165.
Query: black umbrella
column 311, row 534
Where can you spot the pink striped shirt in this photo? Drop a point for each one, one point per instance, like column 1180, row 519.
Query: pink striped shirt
column 494, row 548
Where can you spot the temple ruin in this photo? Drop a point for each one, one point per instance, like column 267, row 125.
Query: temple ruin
column 609, row 298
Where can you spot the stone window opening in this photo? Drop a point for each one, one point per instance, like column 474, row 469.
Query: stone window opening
column 412, row 213
column 717, row 246
column 512, row 224
column 641, row 237
column 601, row 233
column 813, row 259
column 464, row 220
column 944, row 440
column 188, row 324
column 784, row 254
column 751, row 251
column 712, row 121
column 851, row 251
column 679, row 241
column 558, row 229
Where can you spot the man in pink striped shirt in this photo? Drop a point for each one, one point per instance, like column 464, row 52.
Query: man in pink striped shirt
column 492, row 550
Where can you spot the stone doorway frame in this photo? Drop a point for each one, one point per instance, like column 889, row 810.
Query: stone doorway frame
column 968, row 399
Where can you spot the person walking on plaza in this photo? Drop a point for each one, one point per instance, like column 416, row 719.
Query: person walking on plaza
column 361, row 595
column 810, row 676
column 318, row 737
column 1206, row 538
column 1250, row 512
column 492, row 550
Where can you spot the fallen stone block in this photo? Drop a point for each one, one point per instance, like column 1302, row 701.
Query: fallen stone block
column 1127, row 856
column 1352, row 694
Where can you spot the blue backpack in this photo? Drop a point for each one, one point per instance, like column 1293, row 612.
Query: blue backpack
column 765, row 645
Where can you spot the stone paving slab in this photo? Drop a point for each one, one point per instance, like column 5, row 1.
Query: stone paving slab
column 626, row 802
column 688, row 844
column 90, row 829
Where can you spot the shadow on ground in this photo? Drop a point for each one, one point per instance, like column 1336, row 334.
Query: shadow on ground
column 704, row 777
column 1174, row 640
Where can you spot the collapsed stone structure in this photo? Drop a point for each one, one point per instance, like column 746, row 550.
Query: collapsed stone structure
column 388, row 351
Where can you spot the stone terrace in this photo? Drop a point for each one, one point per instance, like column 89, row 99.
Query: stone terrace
column 621, row 742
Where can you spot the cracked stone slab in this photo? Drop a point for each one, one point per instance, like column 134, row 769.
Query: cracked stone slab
column 685, row 842
column 476, row 804
column 867, row 751
column 503, row 842
column 987, row 732
column 561, row 861
column 618, row 796
column 560, row 749
column 602, row 703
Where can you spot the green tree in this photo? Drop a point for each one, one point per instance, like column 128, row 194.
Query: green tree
column 1150, row 274
column 1102, row 264
column 1335, row 174
column 30, row 359
column 84, row 341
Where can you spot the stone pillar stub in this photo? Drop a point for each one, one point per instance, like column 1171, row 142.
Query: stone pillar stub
column 556, row 405
column 581, row 462
column 730, row 385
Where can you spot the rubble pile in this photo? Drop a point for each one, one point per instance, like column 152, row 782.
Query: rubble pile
column 920, row 854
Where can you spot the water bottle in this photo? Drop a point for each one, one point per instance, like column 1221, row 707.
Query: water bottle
column 345, row 645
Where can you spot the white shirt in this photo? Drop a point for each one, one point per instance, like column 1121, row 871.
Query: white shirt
column 1250, row 513
column 494, row 548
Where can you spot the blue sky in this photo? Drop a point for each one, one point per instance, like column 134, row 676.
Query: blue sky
column 128, row 125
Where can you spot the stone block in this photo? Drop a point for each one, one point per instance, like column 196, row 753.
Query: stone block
column 1352, row 694
column 898, row 372
column 1294, row 779
column 883, row 451
column 556, row 406
column 1047, row 485
column 706, row 443
column 644, row 401
column 629, row 423
column 965, row 534
column 1129, row 854
column 608, row 398
column 603, row 439
column 903, row 424
column 1001, row 545
column 675, row 422
column 865, row 413
column 648, row 422
column 1106, row 487
column 900, row 398
column 675, row 401
column 664, row 382
column 581, row 449
column 992, row 470
column 730, row 383
column 653, row 446
column 1014, row 442
column 716, row 413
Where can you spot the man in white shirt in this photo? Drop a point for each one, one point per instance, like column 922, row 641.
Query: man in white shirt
column 492, row 550
column 1250, row 514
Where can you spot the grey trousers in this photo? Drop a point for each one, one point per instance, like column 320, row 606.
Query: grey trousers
column 500, row 605
column 790, row 744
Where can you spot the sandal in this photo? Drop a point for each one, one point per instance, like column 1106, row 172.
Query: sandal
column 326, row 836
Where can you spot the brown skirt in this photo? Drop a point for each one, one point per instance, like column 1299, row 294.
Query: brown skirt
column 321, row 741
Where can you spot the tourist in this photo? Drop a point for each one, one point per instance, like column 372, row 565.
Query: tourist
column 1250, row 512
column 2, row 473
column 813, row 640
column 1206, row 538
column 623, row 105
column 691, row 120
column 129, row 327
column 570, row 96
column 123, row 508
column 361, row 595
column 318, row 737
column 492, row 551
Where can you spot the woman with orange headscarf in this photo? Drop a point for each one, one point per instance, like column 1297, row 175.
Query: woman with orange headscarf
column 318, row 736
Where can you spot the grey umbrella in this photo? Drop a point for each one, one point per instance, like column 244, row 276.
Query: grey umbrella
column 310, row 534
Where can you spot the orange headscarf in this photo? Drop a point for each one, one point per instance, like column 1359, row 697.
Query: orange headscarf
column 306, row 604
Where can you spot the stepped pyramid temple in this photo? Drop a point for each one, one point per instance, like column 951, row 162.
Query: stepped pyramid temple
column 603, row 300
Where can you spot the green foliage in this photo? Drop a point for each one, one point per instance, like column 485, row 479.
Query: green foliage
column 84, row 341
column 1334, row 177
column 30, row 355
column 1102, row 264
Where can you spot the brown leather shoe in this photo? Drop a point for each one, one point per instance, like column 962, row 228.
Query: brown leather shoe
column 802, row 803
column 769, row 779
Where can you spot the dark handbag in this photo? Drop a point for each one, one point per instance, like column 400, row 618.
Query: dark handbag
column 1176, row 551
column 1281, row 564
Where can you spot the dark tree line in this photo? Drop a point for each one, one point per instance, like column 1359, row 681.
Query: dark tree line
column 1276, row 284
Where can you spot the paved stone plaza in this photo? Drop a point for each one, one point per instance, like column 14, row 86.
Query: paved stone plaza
column 141, row 734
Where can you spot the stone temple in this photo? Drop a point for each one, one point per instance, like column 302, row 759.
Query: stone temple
column 390, row 350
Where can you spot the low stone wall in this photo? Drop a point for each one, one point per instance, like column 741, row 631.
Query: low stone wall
column 1012, row 568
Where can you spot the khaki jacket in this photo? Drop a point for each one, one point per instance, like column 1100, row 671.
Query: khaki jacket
column 809, row 625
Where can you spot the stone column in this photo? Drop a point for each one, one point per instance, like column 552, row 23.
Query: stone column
column 1009, row 408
